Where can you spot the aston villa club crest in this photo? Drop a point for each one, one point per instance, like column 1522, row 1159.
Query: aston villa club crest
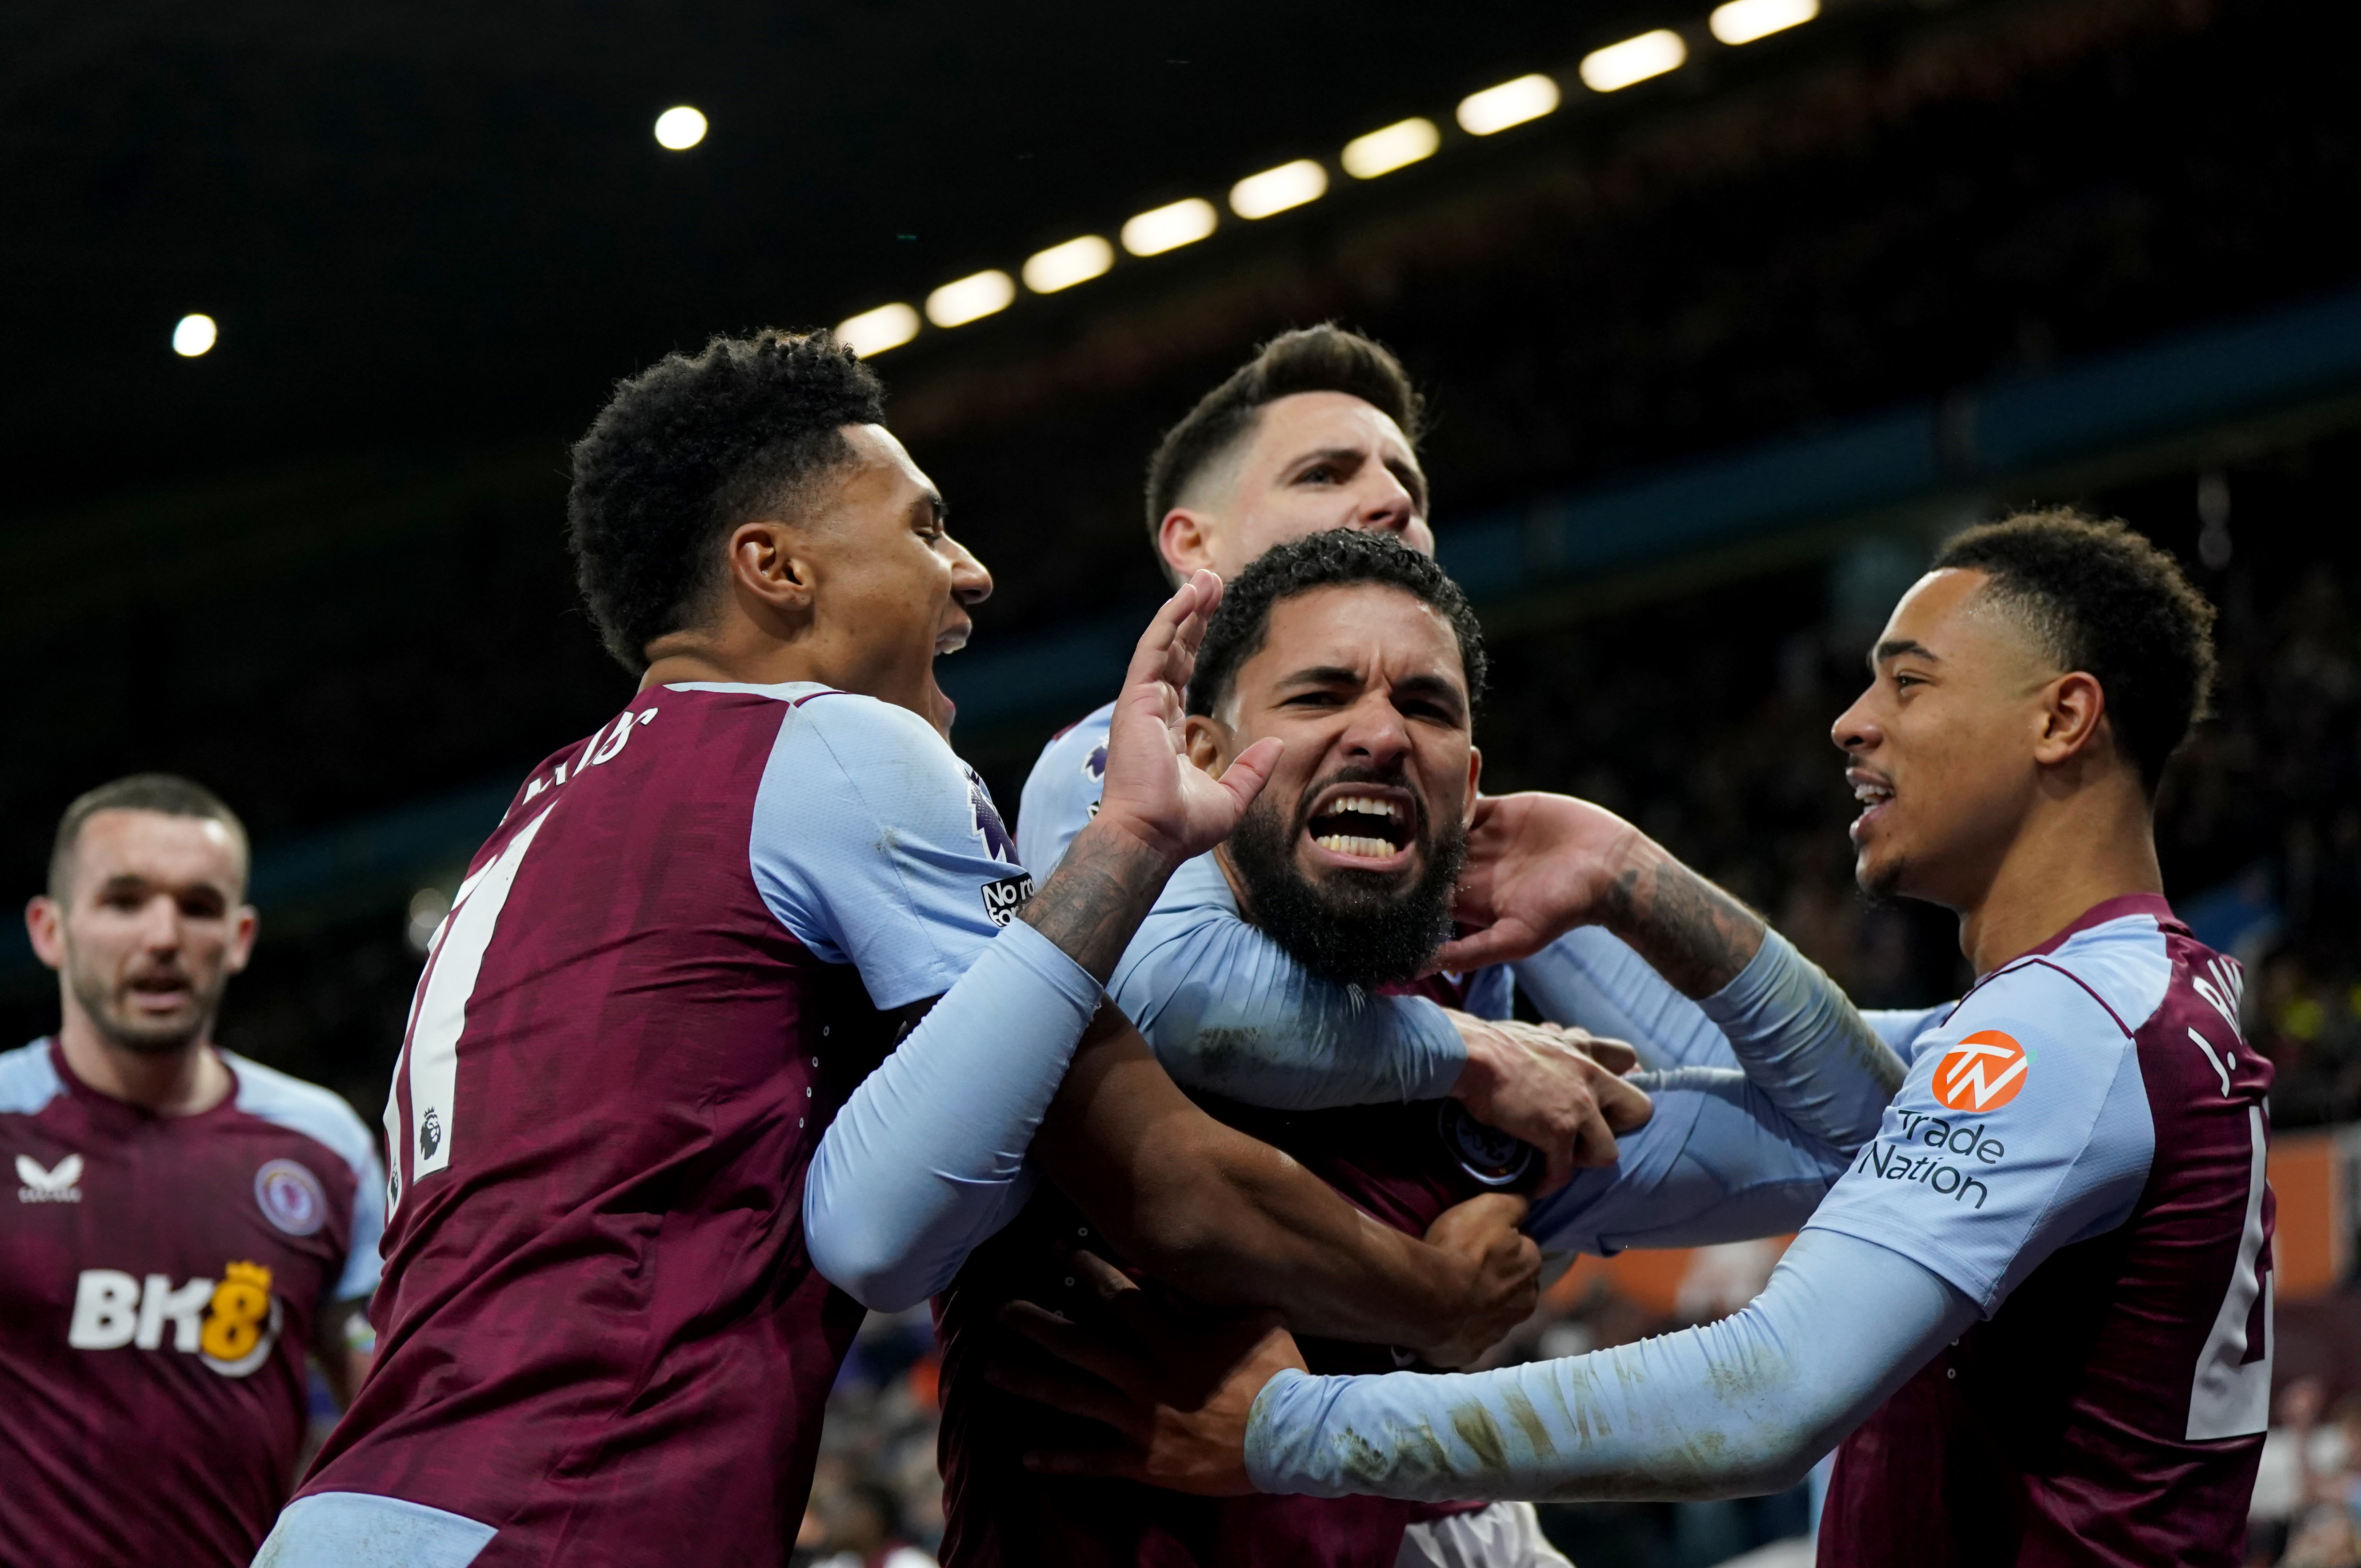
column 1492, row 1156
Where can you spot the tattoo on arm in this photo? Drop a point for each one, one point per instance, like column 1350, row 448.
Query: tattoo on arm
column 1692, row 933
column 1097, row 897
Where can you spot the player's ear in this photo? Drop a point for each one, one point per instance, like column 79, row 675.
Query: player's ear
column 1209, row 744
column 44, row 923
column 2073, row 708
column 768, row 565
column 1475, row 777
column 1185, row 538
column 245, row 922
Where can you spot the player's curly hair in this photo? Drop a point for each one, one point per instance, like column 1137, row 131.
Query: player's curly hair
column 691, row 447
column 2103, row 600
column 1324, row 359
column 1340, row 555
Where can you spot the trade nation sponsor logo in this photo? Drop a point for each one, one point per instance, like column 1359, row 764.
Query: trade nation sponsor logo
column 1982, row 1073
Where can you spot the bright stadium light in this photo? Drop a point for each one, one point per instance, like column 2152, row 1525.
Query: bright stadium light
column 1391, row 148
column 970, row 299
column 1160, row 229
column 1276, row 190
column 1510, row 103
column 874, row 332
column 679, row 128
column 1617, row 66
column 1063, row 266
column 192, row 335
column 1744, row 21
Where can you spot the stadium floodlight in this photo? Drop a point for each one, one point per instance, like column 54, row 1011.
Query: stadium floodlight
column 1617, row 66
column 1744, row 21
column 679, row 128
column 1063, row 266
column 970, row 298
column 1389, row 147
column 874, row 332
column 1169, row 227
column 1276, row 190
column 192, row 335
column 1510, row 103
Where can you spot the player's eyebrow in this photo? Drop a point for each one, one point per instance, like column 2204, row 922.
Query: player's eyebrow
column 1321, row 676
column 1435, row 688
column 1895, row 648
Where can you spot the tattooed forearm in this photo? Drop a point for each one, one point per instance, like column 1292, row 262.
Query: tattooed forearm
column 1097, row 897
column 1692, row 933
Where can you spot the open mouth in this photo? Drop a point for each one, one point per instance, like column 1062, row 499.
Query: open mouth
column 159, row 992
column 1875, row 793
column 1364, row 823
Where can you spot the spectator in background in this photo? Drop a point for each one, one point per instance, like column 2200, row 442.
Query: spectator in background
column 186, row 1224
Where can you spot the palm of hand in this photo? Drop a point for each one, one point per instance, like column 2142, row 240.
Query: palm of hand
column 1537, row 865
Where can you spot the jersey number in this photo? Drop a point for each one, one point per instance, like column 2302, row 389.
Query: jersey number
column 2232, row 1395
column 430, row 1064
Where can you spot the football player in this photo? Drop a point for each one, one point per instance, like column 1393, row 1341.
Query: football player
column 608, row 1324
column 186, row 1226
column 2034, row 1315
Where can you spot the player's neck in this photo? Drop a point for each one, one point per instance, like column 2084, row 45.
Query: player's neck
column 183, row 1082
column 2071, row 855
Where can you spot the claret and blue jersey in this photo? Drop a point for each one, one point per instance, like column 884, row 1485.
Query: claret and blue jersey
column 161, row 1279
column 2079, row 1150
column 601, row 1334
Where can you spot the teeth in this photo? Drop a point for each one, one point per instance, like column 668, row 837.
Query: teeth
column 1369, row 804
column 1352, row 844
column 1871, row 793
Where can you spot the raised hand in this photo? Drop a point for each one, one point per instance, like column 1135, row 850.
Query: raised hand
column 1561, row 1090
column 1173, row 1389
column 1159, row 808
column 1537, row 866
column 1152, row 790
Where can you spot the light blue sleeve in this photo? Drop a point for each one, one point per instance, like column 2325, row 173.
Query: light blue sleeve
column 2023, row 1126
column 1591, row 979
column 926, row 1161
column 1802, row 1043
column 1901, row 1027
column 1230, row 1012
column 1061, row 793
column 875, row 846
column 1735, row 1408
column 1718, row 1161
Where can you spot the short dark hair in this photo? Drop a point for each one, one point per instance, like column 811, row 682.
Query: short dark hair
column 1336, row 557
column 167, row 793
column 688, row 449
column 1324, row 359
column 2104, row 600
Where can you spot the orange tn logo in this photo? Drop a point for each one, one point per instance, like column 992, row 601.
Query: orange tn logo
column 1982, row 1073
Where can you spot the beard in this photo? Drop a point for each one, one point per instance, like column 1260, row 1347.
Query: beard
column 1351, row 927
column 105, row 1002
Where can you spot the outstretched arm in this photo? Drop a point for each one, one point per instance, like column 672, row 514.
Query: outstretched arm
column 1539, row 864
column 1732, row 1409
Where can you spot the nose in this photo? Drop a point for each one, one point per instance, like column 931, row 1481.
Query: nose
column 1375, row 734
column 1383, row 504
column 1856, row 730
column 971, row 584
column 160, row 925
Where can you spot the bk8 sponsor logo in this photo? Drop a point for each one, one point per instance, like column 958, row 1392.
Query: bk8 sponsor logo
column 230, row 1325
